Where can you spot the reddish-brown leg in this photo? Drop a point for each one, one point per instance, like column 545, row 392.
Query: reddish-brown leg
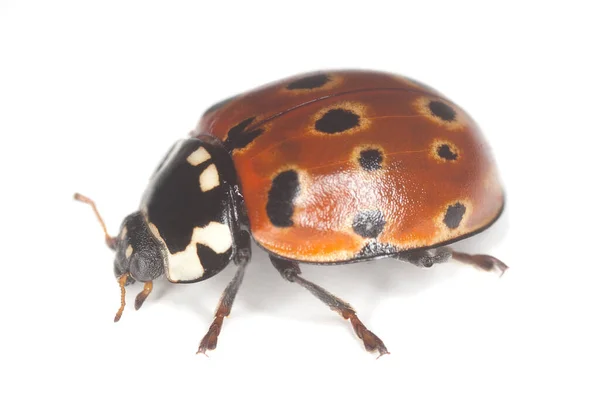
column 241, row 259
column 290, row 270
column 482, row 261
column 209, row 342
column 427, row 258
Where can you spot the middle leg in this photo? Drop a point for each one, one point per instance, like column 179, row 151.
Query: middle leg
column 290, row 270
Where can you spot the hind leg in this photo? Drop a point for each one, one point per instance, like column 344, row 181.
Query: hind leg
column 427, row 258
column 481, row 261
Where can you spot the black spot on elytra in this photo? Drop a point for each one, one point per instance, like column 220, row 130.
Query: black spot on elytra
column 445, row 152
column 280, row 204
column 370, row 159
column 454, row 215
column 337, row 120
column 218, row 105
column 369, row 223
column 310, row 82
column 442, row 111
column 239, row 137
column 210, row 259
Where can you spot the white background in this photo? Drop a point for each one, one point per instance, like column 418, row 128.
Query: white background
column 92, row 96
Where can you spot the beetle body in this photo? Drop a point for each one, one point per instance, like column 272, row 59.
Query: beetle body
column 327, row 168
column 350, row 165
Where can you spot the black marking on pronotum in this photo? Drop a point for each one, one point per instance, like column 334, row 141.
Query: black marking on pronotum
column 442, row 111
column 238, row 137
column 370, row 159
column 337, row 120
column 280, row 204
column 310, row 82
column 369, row 223
column 218, row 105
column 211, row 260
column 445, row 152
column 454, row 215
column 175, row 203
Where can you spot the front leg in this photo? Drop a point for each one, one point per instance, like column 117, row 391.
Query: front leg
column 241, row 258
column 290, row 270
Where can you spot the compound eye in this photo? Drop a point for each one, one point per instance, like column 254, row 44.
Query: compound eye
column 147, row 264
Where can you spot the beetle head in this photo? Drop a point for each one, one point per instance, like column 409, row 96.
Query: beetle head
column 137, row 252
column 139, row 255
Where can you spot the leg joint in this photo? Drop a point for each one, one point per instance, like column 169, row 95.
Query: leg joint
column 289, row 274
column 426, row 258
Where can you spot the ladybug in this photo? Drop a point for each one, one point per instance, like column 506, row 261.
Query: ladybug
column 323, row 168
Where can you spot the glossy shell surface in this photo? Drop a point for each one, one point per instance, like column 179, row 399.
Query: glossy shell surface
column 349, row 165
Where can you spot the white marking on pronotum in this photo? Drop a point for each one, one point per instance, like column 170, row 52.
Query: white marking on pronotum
column 209, row 178
column 123, row 233
column 129, row 251
column 154, row 230
column 215, row 235
column 198, row 157
column 186, row 265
